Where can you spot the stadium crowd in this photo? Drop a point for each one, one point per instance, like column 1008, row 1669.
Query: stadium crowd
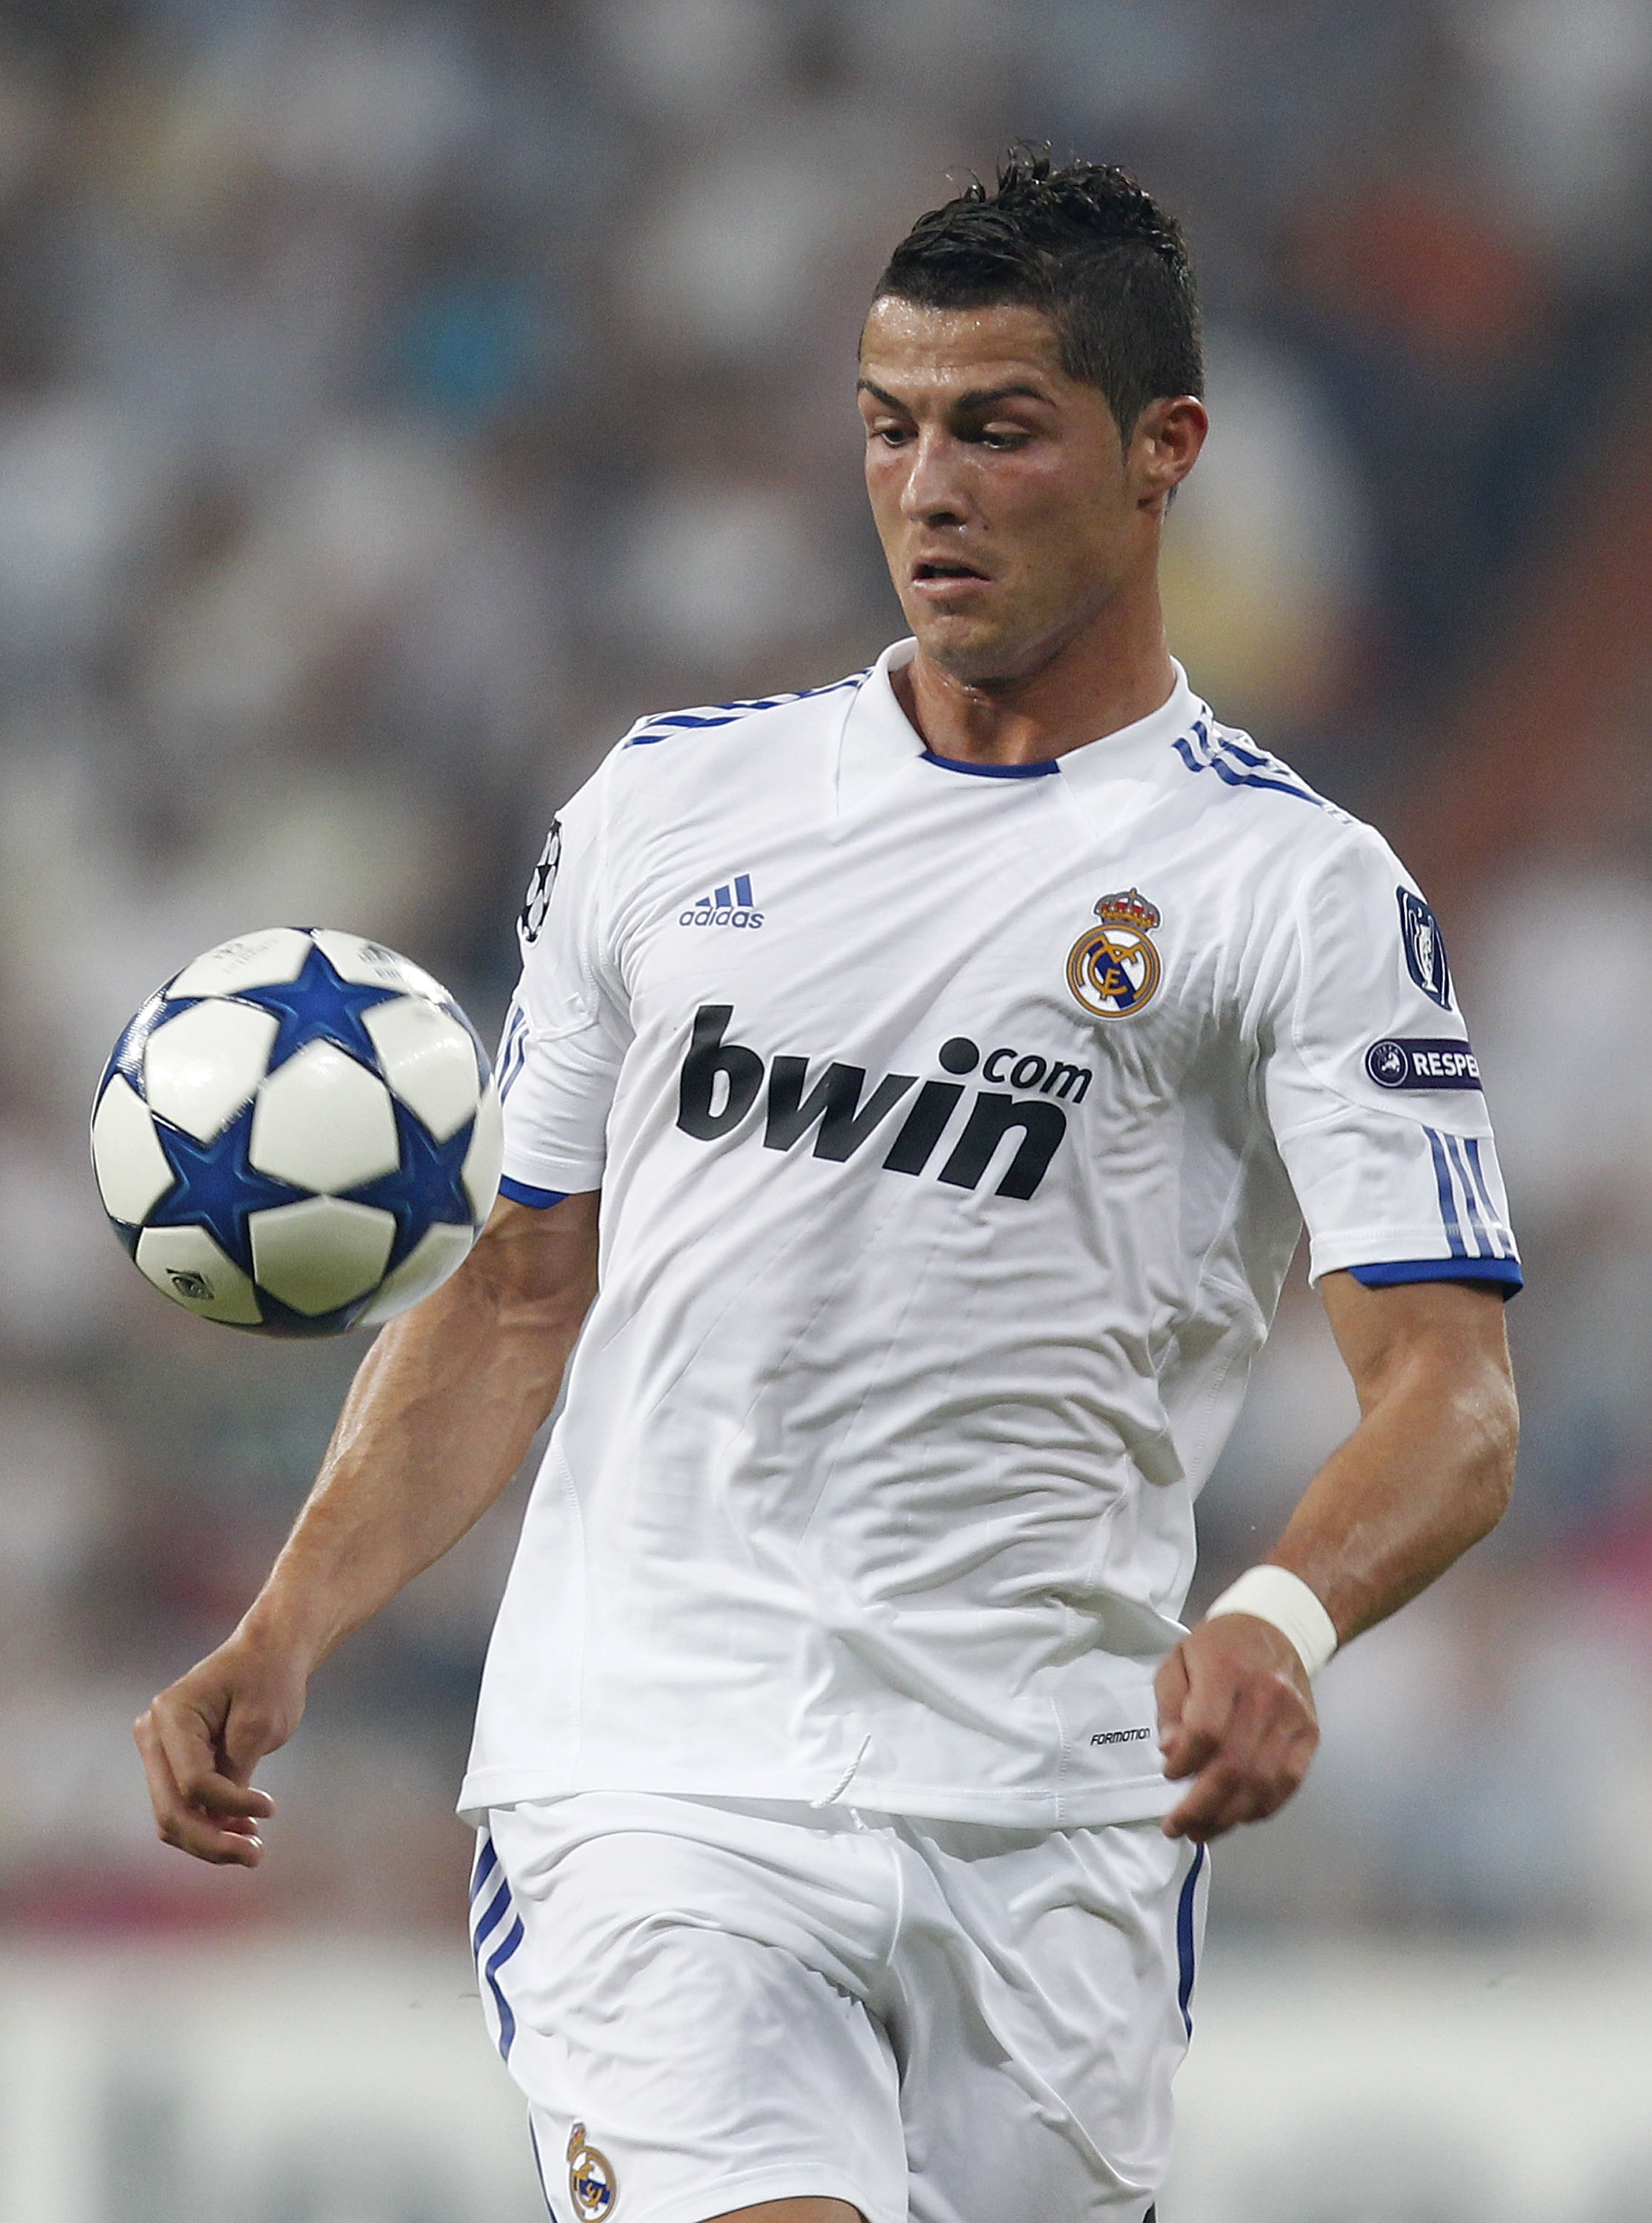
column 395, row 402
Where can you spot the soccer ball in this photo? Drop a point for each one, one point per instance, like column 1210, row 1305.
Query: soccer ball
column 298, row 1134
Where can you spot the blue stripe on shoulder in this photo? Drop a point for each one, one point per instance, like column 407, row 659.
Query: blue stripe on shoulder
column 668, row 723
column 1237, row 766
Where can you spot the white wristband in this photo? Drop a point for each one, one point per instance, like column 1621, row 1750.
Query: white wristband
column 1275, row 1595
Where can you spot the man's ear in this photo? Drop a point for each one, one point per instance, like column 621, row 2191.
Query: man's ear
column 1165, row 444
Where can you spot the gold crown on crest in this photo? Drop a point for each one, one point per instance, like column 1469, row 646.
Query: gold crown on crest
column 1128, row 909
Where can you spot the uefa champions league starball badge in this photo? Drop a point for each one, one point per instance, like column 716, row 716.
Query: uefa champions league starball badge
column 1114, row 969
column 591, row 2185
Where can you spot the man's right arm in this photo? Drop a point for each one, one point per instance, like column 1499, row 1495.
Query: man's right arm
column 438, row 1421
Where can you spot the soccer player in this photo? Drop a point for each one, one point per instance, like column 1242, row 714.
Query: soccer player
column 913, row 1095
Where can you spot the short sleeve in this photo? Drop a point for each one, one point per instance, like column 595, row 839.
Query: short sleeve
column 567, row 1031
column 1372, row 1087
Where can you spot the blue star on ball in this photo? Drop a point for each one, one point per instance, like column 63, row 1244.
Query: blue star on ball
column 319, row 1006
column 426, row 1186
column 217, row 1187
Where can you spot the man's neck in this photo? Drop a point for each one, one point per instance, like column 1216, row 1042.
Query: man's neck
column 1089, row 690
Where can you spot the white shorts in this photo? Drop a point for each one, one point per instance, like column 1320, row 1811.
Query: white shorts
column 711, row 2003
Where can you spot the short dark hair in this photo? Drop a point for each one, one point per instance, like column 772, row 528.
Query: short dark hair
column 1087, row 245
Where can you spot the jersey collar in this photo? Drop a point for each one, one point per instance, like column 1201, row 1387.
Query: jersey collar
column 878, row 739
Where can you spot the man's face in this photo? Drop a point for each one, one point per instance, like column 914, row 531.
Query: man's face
column 1009, row 510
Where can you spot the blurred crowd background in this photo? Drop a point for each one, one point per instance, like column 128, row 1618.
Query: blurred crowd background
column 396, row 402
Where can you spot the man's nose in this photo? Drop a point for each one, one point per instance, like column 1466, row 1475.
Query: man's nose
column 934, row 492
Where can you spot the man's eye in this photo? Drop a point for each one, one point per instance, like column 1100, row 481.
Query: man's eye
column 993, row 439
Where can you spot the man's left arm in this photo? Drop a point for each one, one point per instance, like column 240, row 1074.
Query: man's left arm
column 1426, row 1473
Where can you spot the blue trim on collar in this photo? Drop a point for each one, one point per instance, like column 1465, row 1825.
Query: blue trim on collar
column 1504, row 1271
column 995, row 771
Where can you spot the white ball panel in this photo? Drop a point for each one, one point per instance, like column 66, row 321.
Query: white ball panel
column 202, row 1067
column 130, row 1165
column 370, row 965
column 485, row 1157
column 439, row 1251
column 186, row 1265
column 324, row 1122
column 319, row 1254
column 251, row 960
column 430, row 1060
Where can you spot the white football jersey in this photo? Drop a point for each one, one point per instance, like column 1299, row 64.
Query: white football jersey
column 955, row 1127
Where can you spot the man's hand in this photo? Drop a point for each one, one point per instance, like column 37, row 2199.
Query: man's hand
column 201, row 1740
column 1235, row 1713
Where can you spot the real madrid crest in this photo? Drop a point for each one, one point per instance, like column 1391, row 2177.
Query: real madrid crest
column 591, row 2184
column 1114, row 970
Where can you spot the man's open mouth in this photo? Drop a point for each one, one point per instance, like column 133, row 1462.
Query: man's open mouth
column 941, row 569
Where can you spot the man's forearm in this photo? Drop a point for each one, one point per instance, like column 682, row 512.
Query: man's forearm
column 438, row 1419
column 1426, row 1474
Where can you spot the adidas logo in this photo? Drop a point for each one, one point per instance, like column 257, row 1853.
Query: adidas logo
column 733, row 905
